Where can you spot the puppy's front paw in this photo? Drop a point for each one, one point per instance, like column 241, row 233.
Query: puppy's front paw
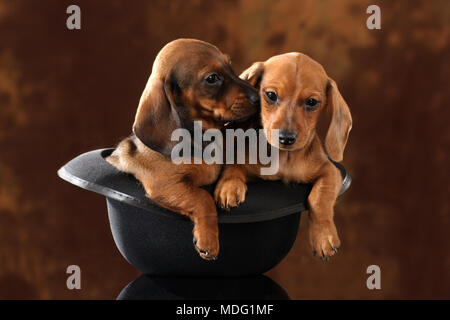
column 324, row 239
column 113, row 160
column 230, row 193
column 206, row 243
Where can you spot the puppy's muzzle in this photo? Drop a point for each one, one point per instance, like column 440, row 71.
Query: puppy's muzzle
column 287, row 138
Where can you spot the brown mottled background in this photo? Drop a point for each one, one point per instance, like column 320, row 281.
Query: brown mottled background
column 65, row 92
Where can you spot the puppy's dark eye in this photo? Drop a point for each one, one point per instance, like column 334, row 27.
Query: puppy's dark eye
column 212, row 78
column 272, row 96
column 311, row 103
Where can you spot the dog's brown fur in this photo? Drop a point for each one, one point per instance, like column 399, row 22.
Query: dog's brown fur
column 176, row 95
column 295, row 77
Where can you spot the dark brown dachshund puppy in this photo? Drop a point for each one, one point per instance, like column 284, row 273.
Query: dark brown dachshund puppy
column 191, row 80
column 294, row 90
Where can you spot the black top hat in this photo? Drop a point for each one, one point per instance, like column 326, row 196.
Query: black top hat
column 254, row 237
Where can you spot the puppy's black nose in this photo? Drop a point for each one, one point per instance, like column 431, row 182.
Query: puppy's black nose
column 287, row 138
column 253, row 98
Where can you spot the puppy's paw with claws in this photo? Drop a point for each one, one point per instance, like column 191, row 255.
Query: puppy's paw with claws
column 324, row 239
column 206, row 244
column 230, row 193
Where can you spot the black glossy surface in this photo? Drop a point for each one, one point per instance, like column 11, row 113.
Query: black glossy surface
column 181, row 288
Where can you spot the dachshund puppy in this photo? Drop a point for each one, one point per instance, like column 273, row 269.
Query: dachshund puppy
column 191, row 80
column 294, row 90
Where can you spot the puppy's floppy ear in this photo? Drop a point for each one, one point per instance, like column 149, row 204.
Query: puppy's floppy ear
column 156, row 116
column 253, row 74
column 340, row 123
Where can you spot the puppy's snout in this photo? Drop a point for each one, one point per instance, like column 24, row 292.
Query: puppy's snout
column 287, row 138
column 253, row 98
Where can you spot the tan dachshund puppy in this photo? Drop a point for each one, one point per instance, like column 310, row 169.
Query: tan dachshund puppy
column 294, row 90
column 190, row 80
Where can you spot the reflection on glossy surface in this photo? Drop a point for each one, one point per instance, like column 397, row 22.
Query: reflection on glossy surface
column 173, row 288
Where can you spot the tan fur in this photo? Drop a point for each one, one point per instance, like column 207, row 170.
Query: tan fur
column 295, row 77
